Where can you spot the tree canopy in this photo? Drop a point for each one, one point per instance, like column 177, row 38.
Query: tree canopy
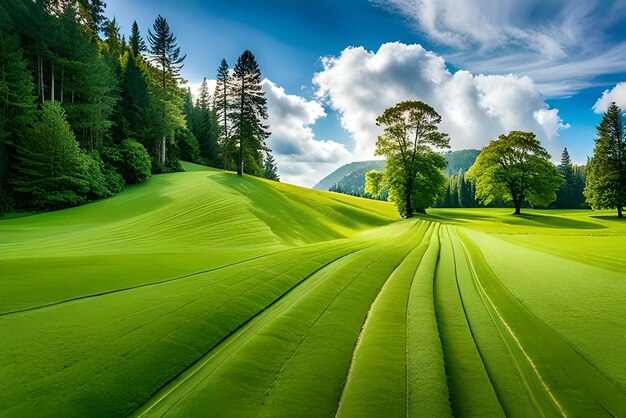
column 251, row 110
column 413, row 171
column 606, row 171
column 515, row 168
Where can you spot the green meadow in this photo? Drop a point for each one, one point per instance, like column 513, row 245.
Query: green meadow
column 205, row 294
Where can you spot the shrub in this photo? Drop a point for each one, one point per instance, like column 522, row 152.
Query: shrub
column 133, row 161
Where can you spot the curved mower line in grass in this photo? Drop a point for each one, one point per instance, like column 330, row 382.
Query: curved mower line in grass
column 204, row 293
column 567, row 378
column 202, row 388
column 465, row 367
column 379, row 358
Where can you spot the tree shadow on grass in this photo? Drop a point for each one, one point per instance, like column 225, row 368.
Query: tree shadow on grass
column 454, row 217
column 551, row 222
column 613, row 218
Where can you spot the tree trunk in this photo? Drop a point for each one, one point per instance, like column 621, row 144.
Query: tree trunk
column 408, row 191
column 40, row 77
column 62, row 80
column 163, row 150
column 52, row 83
column 518, row 206
column 240, row 162
column 619, row 211
column 241, row 108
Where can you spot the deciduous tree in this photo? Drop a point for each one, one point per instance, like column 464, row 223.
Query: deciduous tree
column 413, row 169
column 516, row 168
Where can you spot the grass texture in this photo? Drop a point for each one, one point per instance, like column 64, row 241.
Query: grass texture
column 205, row 294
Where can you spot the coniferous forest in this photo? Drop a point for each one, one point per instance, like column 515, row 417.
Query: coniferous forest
column 87, row 108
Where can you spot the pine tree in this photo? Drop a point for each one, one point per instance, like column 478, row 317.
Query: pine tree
column 606, row 171
column 49, row 172
column 113, row 38
column 271, row 169
column 92, row 16
column 189, row 110
column 87, row 85
column 223, row 106
column 565, row 194
column 165, row 54
column 136, row 42
column 204, row 126
column 130, row 118
column 16, row 96
column 249, row 131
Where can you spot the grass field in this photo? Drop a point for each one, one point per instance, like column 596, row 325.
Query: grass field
column 203, row 294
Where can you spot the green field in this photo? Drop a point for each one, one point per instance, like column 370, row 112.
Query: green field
column 205, row 294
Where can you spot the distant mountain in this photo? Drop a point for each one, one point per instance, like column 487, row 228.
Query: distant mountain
column 354, row 185
column 350, row 178
column 333, row 178
column 460, row 160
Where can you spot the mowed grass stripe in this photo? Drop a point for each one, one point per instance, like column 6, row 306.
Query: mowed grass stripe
column 123, row 289
column 102, row 354
column 427, row 391
column 471, row 390
column 554, row 372
column 295, row 361
column 498, row 361
column 377, row 384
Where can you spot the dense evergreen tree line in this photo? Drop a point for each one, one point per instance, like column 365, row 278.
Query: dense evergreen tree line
column 83, row 111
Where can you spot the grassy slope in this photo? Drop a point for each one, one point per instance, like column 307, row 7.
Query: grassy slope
column 202, row 293
column 173, row 225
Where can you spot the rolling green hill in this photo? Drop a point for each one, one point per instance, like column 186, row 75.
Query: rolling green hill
column 205, row 294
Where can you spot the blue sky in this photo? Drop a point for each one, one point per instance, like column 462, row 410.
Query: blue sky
column 562, row 56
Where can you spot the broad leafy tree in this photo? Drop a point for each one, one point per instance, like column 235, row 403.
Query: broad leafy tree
column 413, row 169
column 250, row 111
column 606, row 171
column 515, row 168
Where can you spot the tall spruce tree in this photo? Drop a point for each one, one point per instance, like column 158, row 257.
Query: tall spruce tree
column 566, row 195
column 136, row 42
column 251, row 109
column 16, row 97
column 49, row 171
column 204, row 126
column 271, row 169
column 606, row 171
column 130, row 118
column 223, row 106
column 165, row 54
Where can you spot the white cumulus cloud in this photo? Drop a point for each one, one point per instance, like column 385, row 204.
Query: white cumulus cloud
column 301, row 158
column 561, row 44
column 359, row 85
column 617, row 94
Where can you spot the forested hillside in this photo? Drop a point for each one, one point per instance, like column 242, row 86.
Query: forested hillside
column 86, row 108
